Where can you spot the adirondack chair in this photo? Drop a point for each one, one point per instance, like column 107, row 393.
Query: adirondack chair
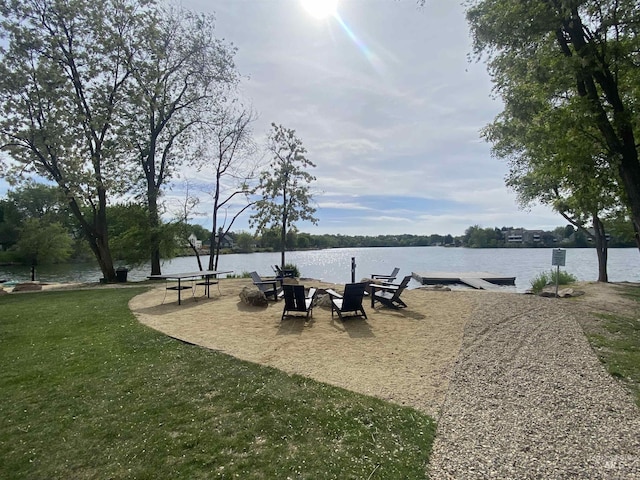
column 350, row 301
column 286, row 273
column 268, row 287
column 386, row 278
column 296, row 301
column 389, row 293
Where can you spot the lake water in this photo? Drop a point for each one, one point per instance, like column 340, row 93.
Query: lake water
column 334, row 265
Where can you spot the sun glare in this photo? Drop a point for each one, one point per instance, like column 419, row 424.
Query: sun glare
column 320, row 8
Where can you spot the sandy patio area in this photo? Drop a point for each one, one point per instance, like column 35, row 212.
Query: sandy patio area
column 405, row 356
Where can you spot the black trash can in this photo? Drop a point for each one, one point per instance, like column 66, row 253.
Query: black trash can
column 121, row 274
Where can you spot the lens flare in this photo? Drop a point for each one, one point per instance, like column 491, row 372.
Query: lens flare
column 320, row 8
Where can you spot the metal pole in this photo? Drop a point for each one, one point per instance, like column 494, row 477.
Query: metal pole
column 353, row 269
column 557, row 279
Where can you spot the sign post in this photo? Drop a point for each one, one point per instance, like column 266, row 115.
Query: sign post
column 558, row 259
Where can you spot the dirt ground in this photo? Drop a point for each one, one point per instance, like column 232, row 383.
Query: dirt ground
column 404, row 356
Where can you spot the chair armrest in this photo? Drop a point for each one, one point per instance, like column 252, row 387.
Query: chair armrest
column 312, row 293
column 266, row 282
column 388, row 287
column 333, row 293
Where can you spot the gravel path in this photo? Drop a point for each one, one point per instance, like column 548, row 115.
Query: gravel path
column 530, row 400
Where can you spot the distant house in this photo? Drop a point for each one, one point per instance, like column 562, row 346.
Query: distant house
column 522, row 235
column 514, row 238
column 227, row 241
column 193, row 240
column 592, row 233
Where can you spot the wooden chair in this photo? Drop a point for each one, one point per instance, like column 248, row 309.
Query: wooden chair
column 286, row 273
column 268, row 287
column 386, row 278
column 389, row 293
column 296, row 301
column 350, row 301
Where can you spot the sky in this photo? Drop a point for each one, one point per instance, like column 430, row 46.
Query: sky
column 389, row 107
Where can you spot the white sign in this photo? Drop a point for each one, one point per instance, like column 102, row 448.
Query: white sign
column 559, row 257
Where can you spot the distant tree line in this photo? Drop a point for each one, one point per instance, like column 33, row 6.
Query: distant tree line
column 622, row 235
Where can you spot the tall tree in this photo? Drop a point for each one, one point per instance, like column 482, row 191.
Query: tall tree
column 227, row 150
column 554, row 156
column 286, row 195
column 61, row 83
column 585, row 51
column 181, row 72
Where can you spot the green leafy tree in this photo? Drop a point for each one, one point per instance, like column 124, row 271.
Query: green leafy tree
column 130, row 234
column 178, row 75
column 286, row 195
column 477, row 237
column 200, row 232
column 244, row 242
column 9, row 224
column 43, row 242
column 33, row 200
column 304, row 240
column 292, row 239
column 555, row 158
column 270, row 238
column 62, row 76
column 568, row 231
column 621, row 229
column 576, row 60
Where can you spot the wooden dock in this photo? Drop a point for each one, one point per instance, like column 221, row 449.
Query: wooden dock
column 477, row 280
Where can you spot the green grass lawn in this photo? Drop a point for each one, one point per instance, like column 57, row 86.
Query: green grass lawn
column 88, row 392
column 617, row 344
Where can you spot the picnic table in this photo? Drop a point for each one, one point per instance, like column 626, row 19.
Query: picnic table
column 207, row 277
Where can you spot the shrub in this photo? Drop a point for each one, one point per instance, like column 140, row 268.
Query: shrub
column 564, row 278
column 539, row 282
column 294, row 267
column 549, row 278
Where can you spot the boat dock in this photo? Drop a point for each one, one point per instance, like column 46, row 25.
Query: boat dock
column 477, row 280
